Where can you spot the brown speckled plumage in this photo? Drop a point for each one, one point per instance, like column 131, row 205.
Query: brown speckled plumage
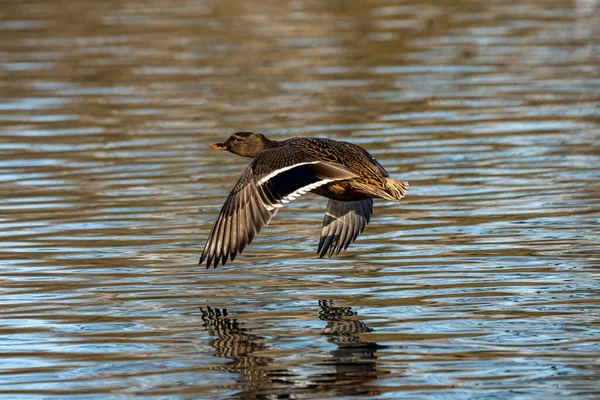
column 280, row 172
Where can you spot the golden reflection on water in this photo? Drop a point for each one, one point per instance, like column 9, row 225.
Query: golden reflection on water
column 482, row 282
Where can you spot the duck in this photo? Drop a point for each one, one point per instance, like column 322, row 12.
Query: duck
column 282, row 171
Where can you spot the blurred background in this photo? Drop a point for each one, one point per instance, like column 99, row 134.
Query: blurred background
column 481, row 283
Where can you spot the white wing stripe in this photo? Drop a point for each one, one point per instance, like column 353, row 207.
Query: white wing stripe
column 305, row 189
column 278, row 171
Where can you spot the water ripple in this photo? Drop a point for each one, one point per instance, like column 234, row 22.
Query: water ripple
column 483, row 282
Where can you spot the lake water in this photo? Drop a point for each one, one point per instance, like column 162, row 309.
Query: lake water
column 483, row 283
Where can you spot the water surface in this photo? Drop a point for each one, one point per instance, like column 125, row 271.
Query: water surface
column 481, row 283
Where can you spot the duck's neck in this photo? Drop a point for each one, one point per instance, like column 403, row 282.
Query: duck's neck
column 266, row 144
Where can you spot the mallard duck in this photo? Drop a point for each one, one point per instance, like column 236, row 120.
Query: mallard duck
column 282, row 171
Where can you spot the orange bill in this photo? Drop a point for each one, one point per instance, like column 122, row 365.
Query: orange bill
column 218, row 146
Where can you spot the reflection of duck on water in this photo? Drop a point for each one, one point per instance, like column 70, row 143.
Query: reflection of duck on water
column 235, row 342
column 341, row 328
column 354, row 360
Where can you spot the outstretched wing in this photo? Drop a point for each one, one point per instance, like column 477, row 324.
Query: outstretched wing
column 343, row 222
column 275, row 177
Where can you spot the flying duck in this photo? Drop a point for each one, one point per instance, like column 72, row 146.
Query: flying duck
column 284, row 170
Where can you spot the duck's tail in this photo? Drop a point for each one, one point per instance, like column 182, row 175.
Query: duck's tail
column 389, row 189
column 394, row 190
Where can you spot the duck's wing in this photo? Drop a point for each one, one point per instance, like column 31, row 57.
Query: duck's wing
column 275, row 177
column 343, row 222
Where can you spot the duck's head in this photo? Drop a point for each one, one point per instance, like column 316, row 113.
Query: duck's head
column 246, row 144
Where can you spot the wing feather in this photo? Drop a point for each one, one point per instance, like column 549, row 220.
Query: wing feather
column 275, row 177
column 343, row 222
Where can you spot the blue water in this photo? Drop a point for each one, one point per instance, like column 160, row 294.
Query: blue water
column 482, row 283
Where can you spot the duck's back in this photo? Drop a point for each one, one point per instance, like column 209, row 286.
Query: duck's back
column 353, row 157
